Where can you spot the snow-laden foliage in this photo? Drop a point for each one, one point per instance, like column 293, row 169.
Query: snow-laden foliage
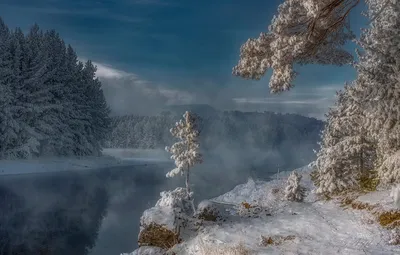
column 378, row 84
column 51, row 104
column 303, row 32
column 294, row 191
column 346, row 152
column 185, row 152
column 362, row 133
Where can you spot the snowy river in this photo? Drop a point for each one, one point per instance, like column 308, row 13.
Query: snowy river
column 92, row 212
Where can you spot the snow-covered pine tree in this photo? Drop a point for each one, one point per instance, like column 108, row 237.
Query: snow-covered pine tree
column 379, row 83
column 97, row 109
column 346, row 152
column 294, row 191
column 9, row 128
column 26, row 145
column 48, row 97
column 185, row 152
column 313, row 31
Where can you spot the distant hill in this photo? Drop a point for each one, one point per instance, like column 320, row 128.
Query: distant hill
column 200, row 109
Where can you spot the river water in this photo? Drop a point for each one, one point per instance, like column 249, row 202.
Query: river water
column 94, row 212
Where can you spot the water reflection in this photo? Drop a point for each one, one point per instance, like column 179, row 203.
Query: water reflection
column 61, row 213
column 96, row 212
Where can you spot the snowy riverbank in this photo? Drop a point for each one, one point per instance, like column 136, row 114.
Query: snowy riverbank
column 310, row 227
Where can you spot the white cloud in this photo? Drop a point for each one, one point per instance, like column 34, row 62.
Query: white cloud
column 128, row 93
column 105, row 71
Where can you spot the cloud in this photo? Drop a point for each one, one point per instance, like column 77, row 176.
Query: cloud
column 128, row 93
column 105, row 71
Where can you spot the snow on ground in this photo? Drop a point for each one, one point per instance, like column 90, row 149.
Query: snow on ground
column 110, row 158
column 381, row 198
column 317, row 227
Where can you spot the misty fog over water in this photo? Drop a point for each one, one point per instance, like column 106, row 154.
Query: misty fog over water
column 96, row 211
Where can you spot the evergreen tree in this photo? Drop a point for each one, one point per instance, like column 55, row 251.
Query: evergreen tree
column 51, row 103
column 9, row 128
column 185, row 153
column 346, row 153
column 378, row 85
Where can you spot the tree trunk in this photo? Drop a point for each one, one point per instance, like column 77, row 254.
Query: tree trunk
column 187, row 183
column 188, row 190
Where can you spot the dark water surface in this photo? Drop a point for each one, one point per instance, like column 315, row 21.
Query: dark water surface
column 92, row 212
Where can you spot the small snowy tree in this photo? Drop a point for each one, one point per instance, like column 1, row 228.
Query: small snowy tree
column 185, row 152
column 294, row 191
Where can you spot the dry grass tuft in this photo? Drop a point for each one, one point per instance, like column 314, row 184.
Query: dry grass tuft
column 275, row 240
column 159, row 236
column 215, row 249
column 247, row 205
column 363, row 206
column 389, row 219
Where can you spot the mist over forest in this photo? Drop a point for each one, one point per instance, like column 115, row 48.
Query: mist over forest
column 236, row 139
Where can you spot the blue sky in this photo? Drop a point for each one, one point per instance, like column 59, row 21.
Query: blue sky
column 156, row 52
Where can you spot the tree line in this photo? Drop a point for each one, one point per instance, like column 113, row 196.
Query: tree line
column 235, row 130
column 51, row 103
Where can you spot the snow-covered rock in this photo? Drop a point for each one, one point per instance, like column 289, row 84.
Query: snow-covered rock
column 166, row 210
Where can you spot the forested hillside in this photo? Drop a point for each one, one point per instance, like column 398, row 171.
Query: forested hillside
column 50, row 103
column 221, row 131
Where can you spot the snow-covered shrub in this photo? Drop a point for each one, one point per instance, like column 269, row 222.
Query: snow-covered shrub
column 185, row 152
column 294, row 191
column 207, row 211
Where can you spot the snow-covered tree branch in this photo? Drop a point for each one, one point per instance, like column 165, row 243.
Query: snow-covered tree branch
column 303, row 32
